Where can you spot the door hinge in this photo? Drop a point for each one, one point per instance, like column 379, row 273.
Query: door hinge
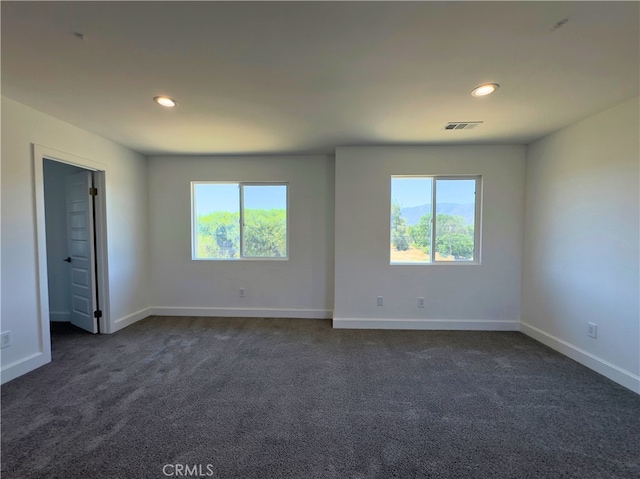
column 93, row 191
column 97, row 314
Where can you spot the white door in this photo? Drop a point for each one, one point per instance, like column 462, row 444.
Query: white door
column 80, row 234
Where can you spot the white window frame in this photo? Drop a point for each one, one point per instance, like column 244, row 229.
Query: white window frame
column 477, row 228
column 241, row 185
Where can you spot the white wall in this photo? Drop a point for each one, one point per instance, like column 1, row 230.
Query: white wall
column 580, row 261
column 485, row 296
column 126, row 228
column 581, row 251
column 55, row 174
column 299, row 287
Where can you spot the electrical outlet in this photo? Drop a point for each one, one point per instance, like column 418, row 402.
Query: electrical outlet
column 5, row 339
column 242, row 292
column 380, row 301
column 421, row 302
column 592, row 330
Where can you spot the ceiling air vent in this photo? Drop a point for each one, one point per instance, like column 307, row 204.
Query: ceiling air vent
column 461, row 125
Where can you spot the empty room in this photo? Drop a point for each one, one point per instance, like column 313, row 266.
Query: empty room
column 320, row 239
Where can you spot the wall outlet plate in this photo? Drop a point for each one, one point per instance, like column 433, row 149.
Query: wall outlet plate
column 380, row 301
column 592, row 330
column 5, row 339
column 421, row 302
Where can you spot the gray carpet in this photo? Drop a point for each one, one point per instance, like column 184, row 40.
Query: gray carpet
column 293, row 398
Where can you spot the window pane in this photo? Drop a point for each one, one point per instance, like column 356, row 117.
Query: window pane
column 455, row 219
column 217, row 215
column 411, row 219
column 265, row 221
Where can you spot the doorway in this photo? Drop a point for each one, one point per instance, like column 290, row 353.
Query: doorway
column 72, row 242
column 70, row 233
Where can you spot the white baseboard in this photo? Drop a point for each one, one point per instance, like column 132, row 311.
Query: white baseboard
column 243, row 312
column 426, row 324
column 607, row 369
column 130, row 319
column 24, row 366
column 59, row 316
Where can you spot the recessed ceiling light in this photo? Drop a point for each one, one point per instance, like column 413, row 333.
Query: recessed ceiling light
column 165, row 101
column 484, row 90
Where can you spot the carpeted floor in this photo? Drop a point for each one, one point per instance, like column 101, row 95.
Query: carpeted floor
column 293, row 398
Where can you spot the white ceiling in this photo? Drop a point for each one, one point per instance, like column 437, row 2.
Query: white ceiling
column 278, row 77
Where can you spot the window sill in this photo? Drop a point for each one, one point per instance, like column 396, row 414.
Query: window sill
column 437, row 263
column 234, row 260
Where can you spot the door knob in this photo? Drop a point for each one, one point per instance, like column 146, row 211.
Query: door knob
column 68, row 260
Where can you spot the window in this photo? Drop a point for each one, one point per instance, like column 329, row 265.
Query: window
column 451, row 235
column 239, row 220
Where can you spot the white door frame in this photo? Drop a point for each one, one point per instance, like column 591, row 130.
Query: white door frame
column 41, row 153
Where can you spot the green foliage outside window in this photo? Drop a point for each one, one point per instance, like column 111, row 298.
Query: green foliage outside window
column 264, row 234
column 399, row 238
column 219, row 235
column 420, row 234
column 454, row 238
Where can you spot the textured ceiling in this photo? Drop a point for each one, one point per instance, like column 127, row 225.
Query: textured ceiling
column 279, row 77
